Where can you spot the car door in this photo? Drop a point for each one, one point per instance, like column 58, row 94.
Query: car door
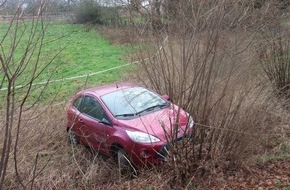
column 75, row 120
column 95, row 121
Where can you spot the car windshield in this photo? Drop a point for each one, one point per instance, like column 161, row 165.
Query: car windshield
column 132, row 101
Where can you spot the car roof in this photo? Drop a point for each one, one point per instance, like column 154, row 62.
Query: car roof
column 102, row 90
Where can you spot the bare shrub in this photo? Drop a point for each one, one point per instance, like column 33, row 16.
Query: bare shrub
column 206, row 63
column 275, row 61
column 21, row 64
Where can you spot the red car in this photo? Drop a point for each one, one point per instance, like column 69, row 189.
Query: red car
column 127, row 121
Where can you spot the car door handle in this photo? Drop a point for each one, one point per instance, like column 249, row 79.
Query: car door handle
column 81, row 120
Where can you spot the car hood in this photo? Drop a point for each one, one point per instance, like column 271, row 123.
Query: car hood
column 159, row 123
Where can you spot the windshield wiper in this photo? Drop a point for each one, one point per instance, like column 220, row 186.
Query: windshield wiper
column 152, row 108
column 125, row 115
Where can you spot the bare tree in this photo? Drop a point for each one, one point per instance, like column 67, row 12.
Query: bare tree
column 21, row 65
column 205, row 62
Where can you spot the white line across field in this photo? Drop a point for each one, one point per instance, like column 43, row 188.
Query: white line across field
column 89, row 74
column 75, row 77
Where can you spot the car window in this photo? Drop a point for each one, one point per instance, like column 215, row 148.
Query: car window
column 91, row 107
column 77, row 103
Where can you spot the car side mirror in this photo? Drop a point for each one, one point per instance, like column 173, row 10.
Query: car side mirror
column 105, row 121
column 166, row 97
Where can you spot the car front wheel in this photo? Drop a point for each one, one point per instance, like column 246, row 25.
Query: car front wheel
column 73, row 139
column 125, row 166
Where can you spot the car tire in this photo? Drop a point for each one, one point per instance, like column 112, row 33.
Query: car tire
column 124, row 164
column 73, row 139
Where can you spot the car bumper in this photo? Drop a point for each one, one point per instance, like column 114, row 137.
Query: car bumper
column 145, row 155
column 151, row 154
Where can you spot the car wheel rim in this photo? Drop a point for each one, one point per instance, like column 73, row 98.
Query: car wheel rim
column 73, row 138
column 121, row 157
column 123, row 160
column 125, row 166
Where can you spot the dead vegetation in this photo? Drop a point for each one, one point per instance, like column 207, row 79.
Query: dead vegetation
column 207, row 59
column 208, row 65
column 44, row 147
column 57, row 165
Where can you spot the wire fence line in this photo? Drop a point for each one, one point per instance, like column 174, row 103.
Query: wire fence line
column 74, row 77
column 90, row 74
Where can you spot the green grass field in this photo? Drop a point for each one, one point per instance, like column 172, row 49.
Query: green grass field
column 81, row 50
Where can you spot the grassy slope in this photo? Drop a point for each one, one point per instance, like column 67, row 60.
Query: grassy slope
column 75, row 168
column 86, row 50
column 82, row 51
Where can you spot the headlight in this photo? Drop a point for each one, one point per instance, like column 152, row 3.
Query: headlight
column 140, row 137
column 190, row 121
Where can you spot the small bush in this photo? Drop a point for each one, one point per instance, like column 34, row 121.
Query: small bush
column 88, row 11
column 91, row 12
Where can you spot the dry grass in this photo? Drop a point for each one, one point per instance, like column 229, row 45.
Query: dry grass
column 44, row 153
